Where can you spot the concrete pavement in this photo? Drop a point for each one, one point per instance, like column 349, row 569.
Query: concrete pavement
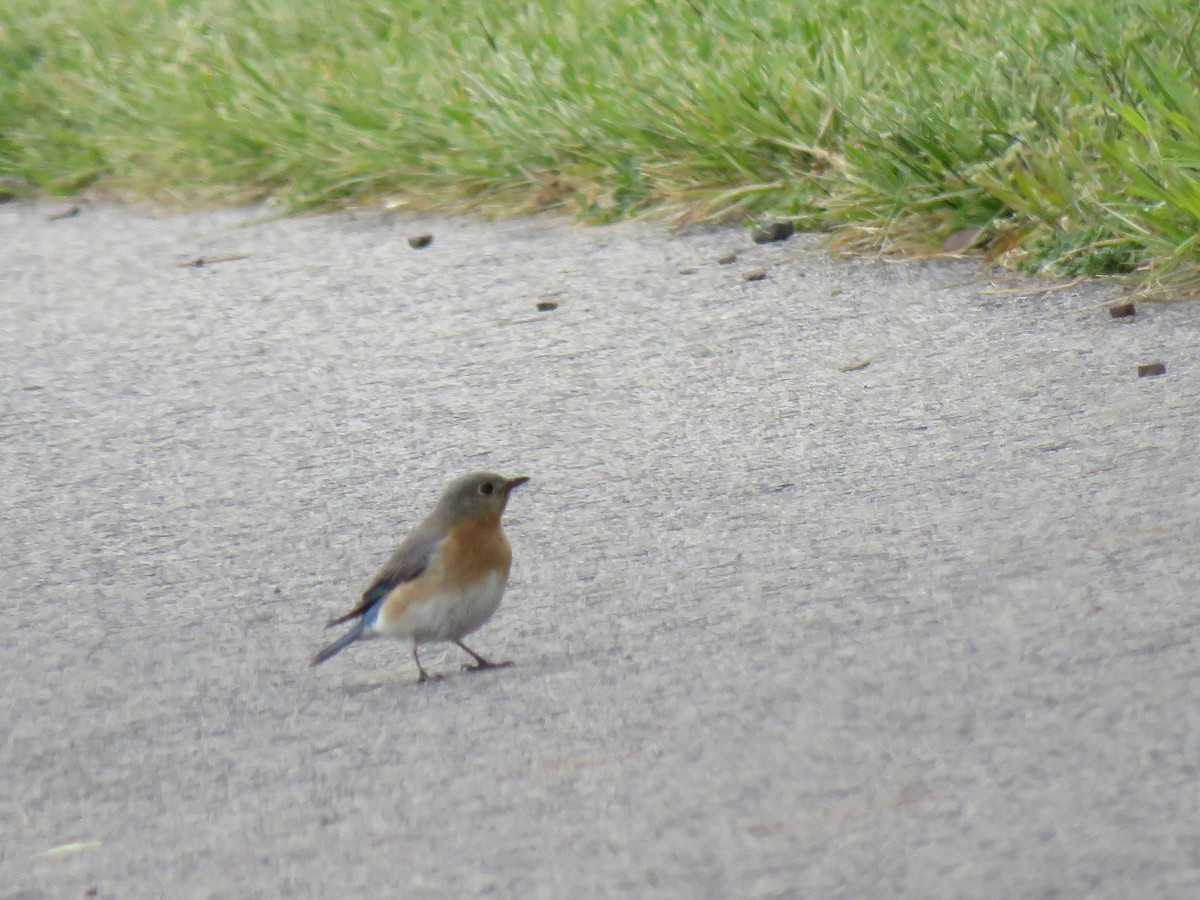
column 925, row 628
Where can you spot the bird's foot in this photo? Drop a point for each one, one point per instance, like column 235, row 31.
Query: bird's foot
column 425, row 676
column 485, row 664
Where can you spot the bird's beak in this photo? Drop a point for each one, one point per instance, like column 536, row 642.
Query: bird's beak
column 515, row 482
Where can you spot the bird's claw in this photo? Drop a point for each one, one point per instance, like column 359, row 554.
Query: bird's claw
column 480, row 666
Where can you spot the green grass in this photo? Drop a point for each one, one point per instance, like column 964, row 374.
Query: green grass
column 1069, row 131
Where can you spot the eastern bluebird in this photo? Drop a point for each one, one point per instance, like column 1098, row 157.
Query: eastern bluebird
column 446, row 579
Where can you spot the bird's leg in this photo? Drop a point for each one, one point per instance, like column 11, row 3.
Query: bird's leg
column 424, row 676
column 480, row 662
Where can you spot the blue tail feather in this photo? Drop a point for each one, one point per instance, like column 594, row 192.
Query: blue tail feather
column 341, row 643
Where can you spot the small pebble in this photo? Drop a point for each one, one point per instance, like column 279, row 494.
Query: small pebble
column 546, row 305
column 755, row 274
column 68, row 212
column 776, row 231
column 1150, row 370
column 12, row 187
column 961, row 239
column 420, row 241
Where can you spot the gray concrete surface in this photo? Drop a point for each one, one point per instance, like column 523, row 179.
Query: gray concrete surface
column 926, row 629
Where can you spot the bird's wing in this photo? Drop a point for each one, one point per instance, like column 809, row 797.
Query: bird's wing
column 407, row 563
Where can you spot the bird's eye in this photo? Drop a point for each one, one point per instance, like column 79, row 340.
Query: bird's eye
column 486, row 488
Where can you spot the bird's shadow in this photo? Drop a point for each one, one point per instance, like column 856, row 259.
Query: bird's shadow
column 409, row 680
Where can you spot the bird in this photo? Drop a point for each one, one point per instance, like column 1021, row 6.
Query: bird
column 446, row 578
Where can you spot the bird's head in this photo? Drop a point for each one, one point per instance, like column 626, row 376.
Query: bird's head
column 480, row 495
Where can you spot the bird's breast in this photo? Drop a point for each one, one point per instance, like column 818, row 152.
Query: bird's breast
column 458, row 593
column 473, row 551
column 451, row 612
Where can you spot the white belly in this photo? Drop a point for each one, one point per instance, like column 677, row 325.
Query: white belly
column 450, row 615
